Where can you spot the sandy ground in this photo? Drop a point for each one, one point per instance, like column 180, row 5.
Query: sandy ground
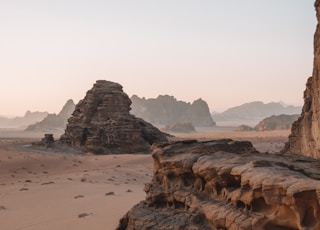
column 45, row 190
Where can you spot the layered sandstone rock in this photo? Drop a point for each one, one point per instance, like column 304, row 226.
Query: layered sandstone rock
column 101, row 123
column 225, row 184
column 305, row 132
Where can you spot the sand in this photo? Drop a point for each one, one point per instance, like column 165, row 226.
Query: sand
column 59, row 190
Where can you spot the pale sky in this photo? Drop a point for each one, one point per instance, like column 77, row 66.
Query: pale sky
column 227, row 52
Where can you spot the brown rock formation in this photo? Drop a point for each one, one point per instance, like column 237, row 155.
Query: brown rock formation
column 226, row 184
column 101, row 123
column 305, row 132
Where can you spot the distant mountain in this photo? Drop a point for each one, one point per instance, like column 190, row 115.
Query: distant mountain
column 54, row 121
column 22, row 122
column 253, row 112
column 167, row 110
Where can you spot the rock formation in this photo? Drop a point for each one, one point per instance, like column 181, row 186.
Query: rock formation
column 305, row 132
column 276, row 122
column 166, row 110
column 54, row 121
column 101, row 123
column 226, row 184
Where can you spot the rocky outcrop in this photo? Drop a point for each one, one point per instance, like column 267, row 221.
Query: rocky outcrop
column 276, row 122
column 166, row 110
column 305, row 132
column 225, row 184
column 54, row 121
column 101, row 123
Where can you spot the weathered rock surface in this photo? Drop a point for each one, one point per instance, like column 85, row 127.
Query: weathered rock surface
column 276, row 122
column 305, row 132
column 101, row 123
column 54, row 121
column 166, row 110
column 225, row 184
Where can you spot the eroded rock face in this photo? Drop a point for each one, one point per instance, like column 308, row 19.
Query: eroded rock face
column 101, row 123
column 305, row 132
column 225, row 184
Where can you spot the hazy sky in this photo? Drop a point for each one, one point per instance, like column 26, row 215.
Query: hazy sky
column 227, row 52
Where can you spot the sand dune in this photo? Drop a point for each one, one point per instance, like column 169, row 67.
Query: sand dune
column 50, row 190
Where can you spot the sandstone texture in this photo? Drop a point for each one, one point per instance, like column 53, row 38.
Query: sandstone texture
column 305, row 132
column 167, row 110
column 101, row 123
column 226, row 184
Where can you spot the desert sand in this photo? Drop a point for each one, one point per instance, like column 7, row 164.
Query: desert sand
column 45, row 189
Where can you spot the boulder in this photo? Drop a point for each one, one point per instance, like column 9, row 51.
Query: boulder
column 101, row 123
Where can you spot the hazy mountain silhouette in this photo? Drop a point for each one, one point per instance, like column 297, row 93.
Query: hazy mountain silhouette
column 253, row 112
column 167, row 110
column 22, row 122
column 54, row 121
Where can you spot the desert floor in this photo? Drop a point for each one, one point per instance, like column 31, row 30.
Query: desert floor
column 59, row 190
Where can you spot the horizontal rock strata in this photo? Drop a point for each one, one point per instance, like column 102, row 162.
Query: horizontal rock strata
column 225, row 184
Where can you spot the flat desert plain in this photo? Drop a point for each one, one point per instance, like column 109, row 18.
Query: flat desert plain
column 50, row 189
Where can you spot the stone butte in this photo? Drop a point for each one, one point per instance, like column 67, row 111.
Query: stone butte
column 101, row 123
column 305, row 132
